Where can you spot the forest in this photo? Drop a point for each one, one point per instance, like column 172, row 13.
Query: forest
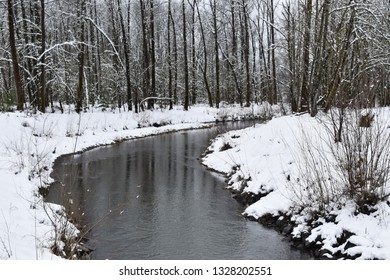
column 307, row 54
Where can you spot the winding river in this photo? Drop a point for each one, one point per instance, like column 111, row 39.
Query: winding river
column 152, row 199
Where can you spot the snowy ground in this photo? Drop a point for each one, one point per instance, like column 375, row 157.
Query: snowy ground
column 284, row 160
column 31, row 143
column 270, row 159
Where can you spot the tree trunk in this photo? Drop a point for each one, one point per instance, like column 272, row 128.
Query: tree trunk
column 204, row 70
column 127, row 59
column 193, row 53
column 306, row 56
column 274, row 78
column 170, row 88
column 342, row 61
column 216, row 53
column 186, row 74
column 152, row 56
column 31, row 91
column 291, row 51
column 176, row 59
column 43, row 92
column 81, row 58
column 145, row 52
column 246, row 50
column 320, row 64
column 234, row 50
column 15, row 57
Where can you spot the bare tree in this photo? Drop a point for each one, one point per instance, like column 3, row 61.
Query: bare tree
column 246, row 51
column 127, row 59
column 145, row 52
column 170, row 76
column 81, row 57
column 306, row 54
column 213, row 4
column 205, row 59
column 15, row 56
column 186, row 74
column 272, row 47
column 152, row 54
column 193, row 53
column 43, row 92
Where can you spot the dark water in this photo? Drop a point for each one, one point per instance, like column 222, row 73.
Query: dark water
column 152, row 199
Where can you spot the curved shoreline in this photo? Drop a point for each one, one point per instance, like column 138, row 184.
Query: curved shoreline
column 261, row 170
column 74, row 246
column 284, row 225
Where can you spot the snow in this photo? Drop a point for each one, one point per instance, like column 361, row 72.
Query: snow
column 276, row 159
column 272, row 159
column 30, row 143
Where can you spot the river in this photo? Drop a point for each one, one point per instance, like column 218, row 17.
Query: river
column 152, row 199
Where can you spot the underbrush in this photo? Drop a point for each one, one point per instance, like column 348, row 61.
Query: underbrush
column 356, row 168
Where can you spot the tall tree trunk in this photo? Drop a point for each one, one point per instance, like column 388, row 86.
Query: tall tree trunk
column 127, row 58
column 336, row 78
column 81, row 58
column 320, row 64
column 145, row 52
column 152, row 55
column 254, row 79
column 186, row 74
column 115, row 58
column 306, row 55
column 205, row 58
column 235, row 50
column 246, row 48
column 170, row 88
column 273, row 60
column 43, row 92
column 15, row 57
column 291, row 52
column 27, row 74
column 176, row 59
column 193, row 53
column 36, row 38
column 216, row 53
column 95, row 57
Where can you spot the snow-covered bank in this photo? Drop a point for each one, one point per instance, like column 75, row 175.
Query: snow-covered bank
column 290, row 167
column 31, row 143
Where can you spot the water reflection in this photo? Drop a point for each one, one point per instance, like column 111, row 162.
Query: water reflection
column 163, row 203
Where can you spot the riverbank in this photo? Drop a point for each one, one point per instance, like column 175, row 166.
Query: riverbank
column 30, row 228
column 291, row 175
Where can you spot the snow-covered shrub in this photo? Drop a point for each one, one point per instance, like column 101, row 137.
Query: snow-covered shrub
column 74, row 126
column 330, row 172
column 264, row 110
column 44, row 128
column 66, row 240
column 17, row 153
column 317, row 185
column 363, row 158
column 143, row 118
column 223, row 112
